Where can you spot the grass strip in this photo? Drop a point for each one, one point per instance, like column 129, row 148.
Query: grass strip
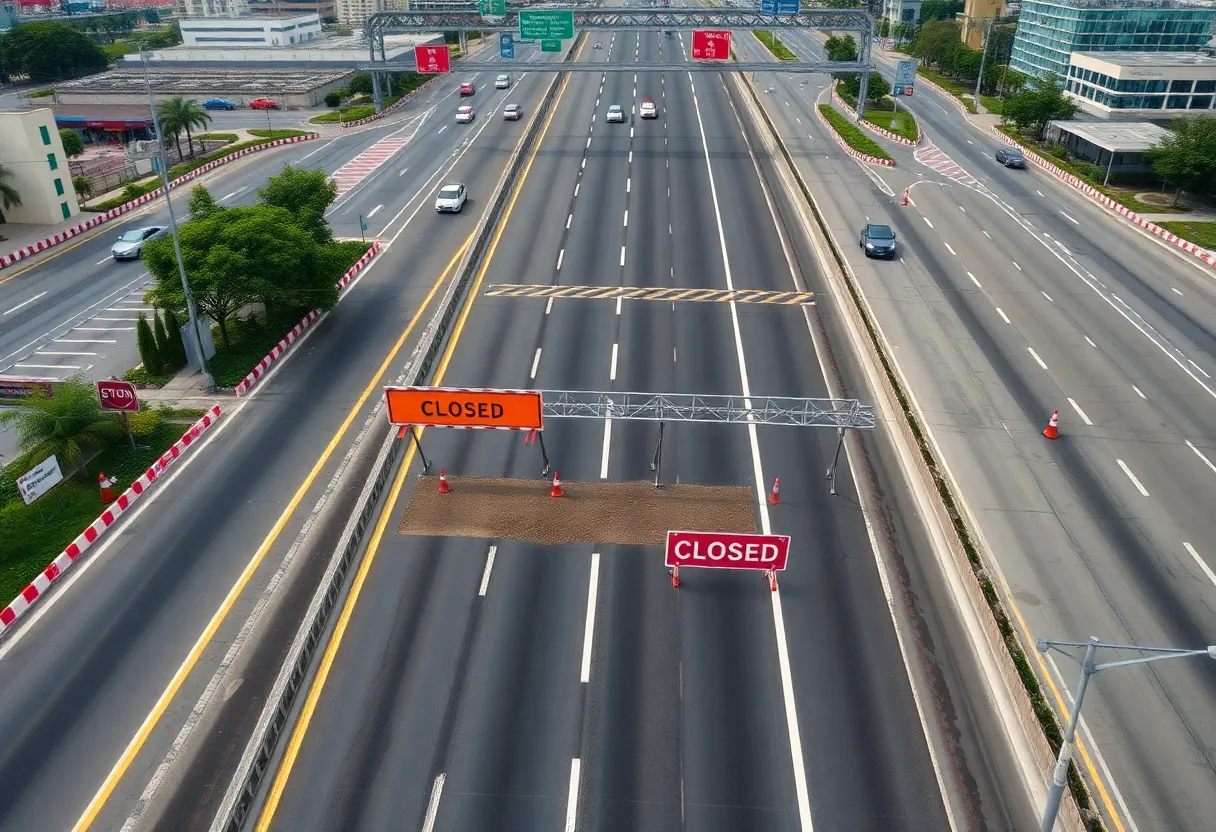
column 276, row 134
column 851, row 133
column 901, row 122
column 956, row 88
column 774, row 45
column 349, row 114
column 216, row 137
column 1199, row 233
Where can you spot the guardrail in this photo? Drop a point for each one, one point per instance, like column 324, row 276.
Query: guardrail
column 241, row 796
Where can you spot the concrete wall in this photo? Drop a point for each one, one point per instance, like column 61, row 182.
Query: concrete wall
column 26, row 152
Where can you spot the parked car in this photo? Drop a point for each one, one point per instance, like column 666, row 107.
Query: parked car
column 218, row 104
column 512, row 112
column 464, row 114
column 451, row 198
column 502, row 82
column 1011, row 158
column 263, row 104
column 131, row 244
column 467, row 88
column 878, row 241
column 615, row 113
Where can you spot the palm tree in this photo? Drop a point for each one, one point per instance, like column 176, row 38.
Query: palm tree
column 8, row 194
column 177, row 114
column 69, row 423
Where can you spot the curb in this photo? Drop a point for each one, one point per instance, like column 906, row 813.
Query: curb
column 882, row 131
column 307, row 321
column 954, row 99
column 387, row 110
column 63, row 236
column 856, row 154
column 41, row 584
column 1093, row 193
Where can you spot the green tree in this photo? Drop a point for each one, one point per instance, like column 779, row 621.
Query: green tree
column 202, row 203
column 306, row 194
column 1041, row 102
column 935, row 39
column 940, row 9
column 876, row 89
column 73, row 145
column 177, row 115
column 49, row 51
column 840, row 48
column 361, row 84
column 146, row 341
column 83, row 186
column 9, row 198
column 1187, row 158
column 163, row 347
column 177, row 348
column 69, row 423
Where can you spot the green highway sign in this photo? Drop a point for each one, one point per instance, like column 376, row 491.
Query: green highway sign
column 550, row 45
column 547, row 23
column 492, row 7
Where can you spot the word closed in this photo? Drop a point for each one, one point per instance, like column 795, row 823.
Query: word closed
column 727, row 550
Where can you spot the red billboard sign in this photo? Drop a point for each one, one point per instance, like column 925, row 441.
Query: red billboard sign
column 727, row 550
column 711, row 45
column 117, row 395
column 432, row 60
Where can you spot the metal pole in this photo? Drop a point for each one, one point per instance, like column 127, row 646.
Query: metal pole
column 863, row 88
column 983, row 57
column 377, row 100
column 208, row 381
column 1109, row 165
column 656, row 464
column 426, row 463
column 1059, row 778
column 544, row 454
column 836, row 461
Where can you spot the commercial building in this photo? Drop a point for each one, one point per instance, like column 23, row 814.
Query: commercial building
column 1142, row 85
column 901, row 11
column 355, row 12
column 245, row 32
column 976, row 14
column 339, row 53
column 32, row 153
column 1118, row 147
column 211, row 8
column 327, row 10
column 1050, row 30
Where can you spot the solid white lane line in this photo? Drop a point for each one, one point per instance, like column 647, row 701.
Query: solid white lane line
column 1199, row 454
column 973, row 280
column 1016, row 266
column 1175, row 291
column 485, row 575
column 612, row 371
column 1207, row 570
column 569, row 219
column 1138, row 393
column 589, row 630
column 1197, row 367
column 1001, row 312
column 1047, row 296
column 607, row 447
column 928, row 223
column 622, row 255
column 432, row 806
column 797, row 760
column 561, row 255
column 24, row 303
column 535, row 362
column 1080, row 412
column 1091, row 342
column 549, row 306
column 403, row 170
column 950, row 249
column 1035, row 355
column 1132, row 477
column 1070, row 219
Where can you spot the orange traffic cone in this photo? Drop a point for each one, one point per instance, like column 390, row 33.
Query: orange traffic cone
column 1052, row 430
column 774, row 496
column 904, row 201
column 556, row 490
column 444, row 488
column 107, row 488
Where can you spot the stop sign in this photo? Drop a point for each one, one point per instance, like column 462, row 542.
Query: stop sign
column 711, row 45
column 117, row 395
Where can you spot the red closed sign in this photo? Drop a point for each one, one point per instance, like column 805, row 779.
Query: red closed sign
column 432, row 60
column 711, row 45
column 727, row 550
column 117, row 395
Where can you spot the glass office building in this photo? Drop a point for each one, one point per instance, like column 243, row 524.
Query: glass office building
column 1050, row 30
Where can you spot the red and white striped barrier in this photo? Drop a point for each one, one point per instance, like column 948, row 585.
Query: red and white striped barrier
column 108, row 518
column 874, row 128
column 80, row 228
column 856, row 154
column 1101, row 198
column 260, row 370
column 392, row 107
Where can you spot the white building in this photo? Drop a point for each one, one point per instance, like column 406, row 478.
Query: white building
column 901, row 11
column 250, row 32
column 30, row 150
column 210, row 8
column 1139, row 85
column 355, row 12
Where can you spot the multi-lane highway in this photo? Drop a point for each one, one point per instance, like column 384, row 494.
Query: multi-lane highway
column 480, row 684
column 104, row 674
column 1014, row 296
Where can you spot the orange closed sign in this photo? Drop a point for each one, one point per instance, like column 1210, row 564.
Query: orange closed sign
column 459, row 408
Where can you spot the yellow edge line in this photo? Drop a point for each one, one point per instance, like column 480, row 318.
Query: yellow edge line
column 183, row 672
column 348, row 608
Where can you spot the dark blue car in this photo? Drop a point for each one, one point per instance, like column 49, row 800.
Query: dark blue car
column 218, row 104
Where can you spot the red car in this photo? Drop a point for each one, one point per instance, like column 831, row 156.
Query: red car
column 466, row 88
column 263, row 104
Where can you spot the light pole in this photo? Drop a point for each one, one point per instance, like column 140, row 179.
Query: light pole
column 983, row 57
column 1059, row 778
column 208, row 381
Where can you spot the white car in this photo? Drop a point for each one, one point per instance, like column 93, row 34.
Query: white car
column 130, row 245
column 615, row 113
column 464, row 114
column 502, row 82
column 450, row 198
column 648, row 109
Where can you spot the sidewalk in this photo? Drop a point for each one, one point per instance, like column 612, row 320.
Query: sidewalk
column 184, row 390
column 19, row 235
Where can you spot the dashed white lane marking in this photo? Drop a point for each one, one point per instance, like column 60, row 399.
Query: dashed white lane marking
column 1207, row 570
column 1199, row 454
column 1080, row 412
column 1070, row 219
column 1049, row 300
column 1175, row 291
column 1091, row 342
column 618, row 306
column 973, row 280
column 951, row 250
column 535, row 363
column 625, row 221
column 1035, row 356
column 402, row 173
column 576, row 187
column 1139, row 393
column 589, row 630
column 1016, row 266
column 572, row 797
column 628, row 183
column 612, row 370
column 25, row 303
column 1001, row 312
column 432, row 806
column 1037, row 191
column 961, row 208
column 485, row 575
column 569, row 219
column 1139, row 487
column 622, row 255
column 103, row 261
column 561, row 255
column 549, row 306
column 928, row 223
column 986, row 234
column 374, row 211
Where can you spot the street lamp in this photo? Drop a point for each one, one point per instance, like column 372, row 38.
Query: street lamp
column 208, row 381
column 1059, row 778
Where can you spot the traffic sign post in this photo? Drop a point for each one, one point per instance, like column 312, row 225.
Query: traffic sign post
column 788, row 7
column 767, row 553
column 905, row 76
column 547, row 23
column 120, row 396
column 711, row 45
column 550, row 45
column 506, row 46
column 432, row 60
column 492, row 8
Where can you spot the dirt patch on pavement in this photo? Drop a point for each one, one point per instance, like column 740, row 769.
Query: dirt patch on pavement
column 624, row 513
